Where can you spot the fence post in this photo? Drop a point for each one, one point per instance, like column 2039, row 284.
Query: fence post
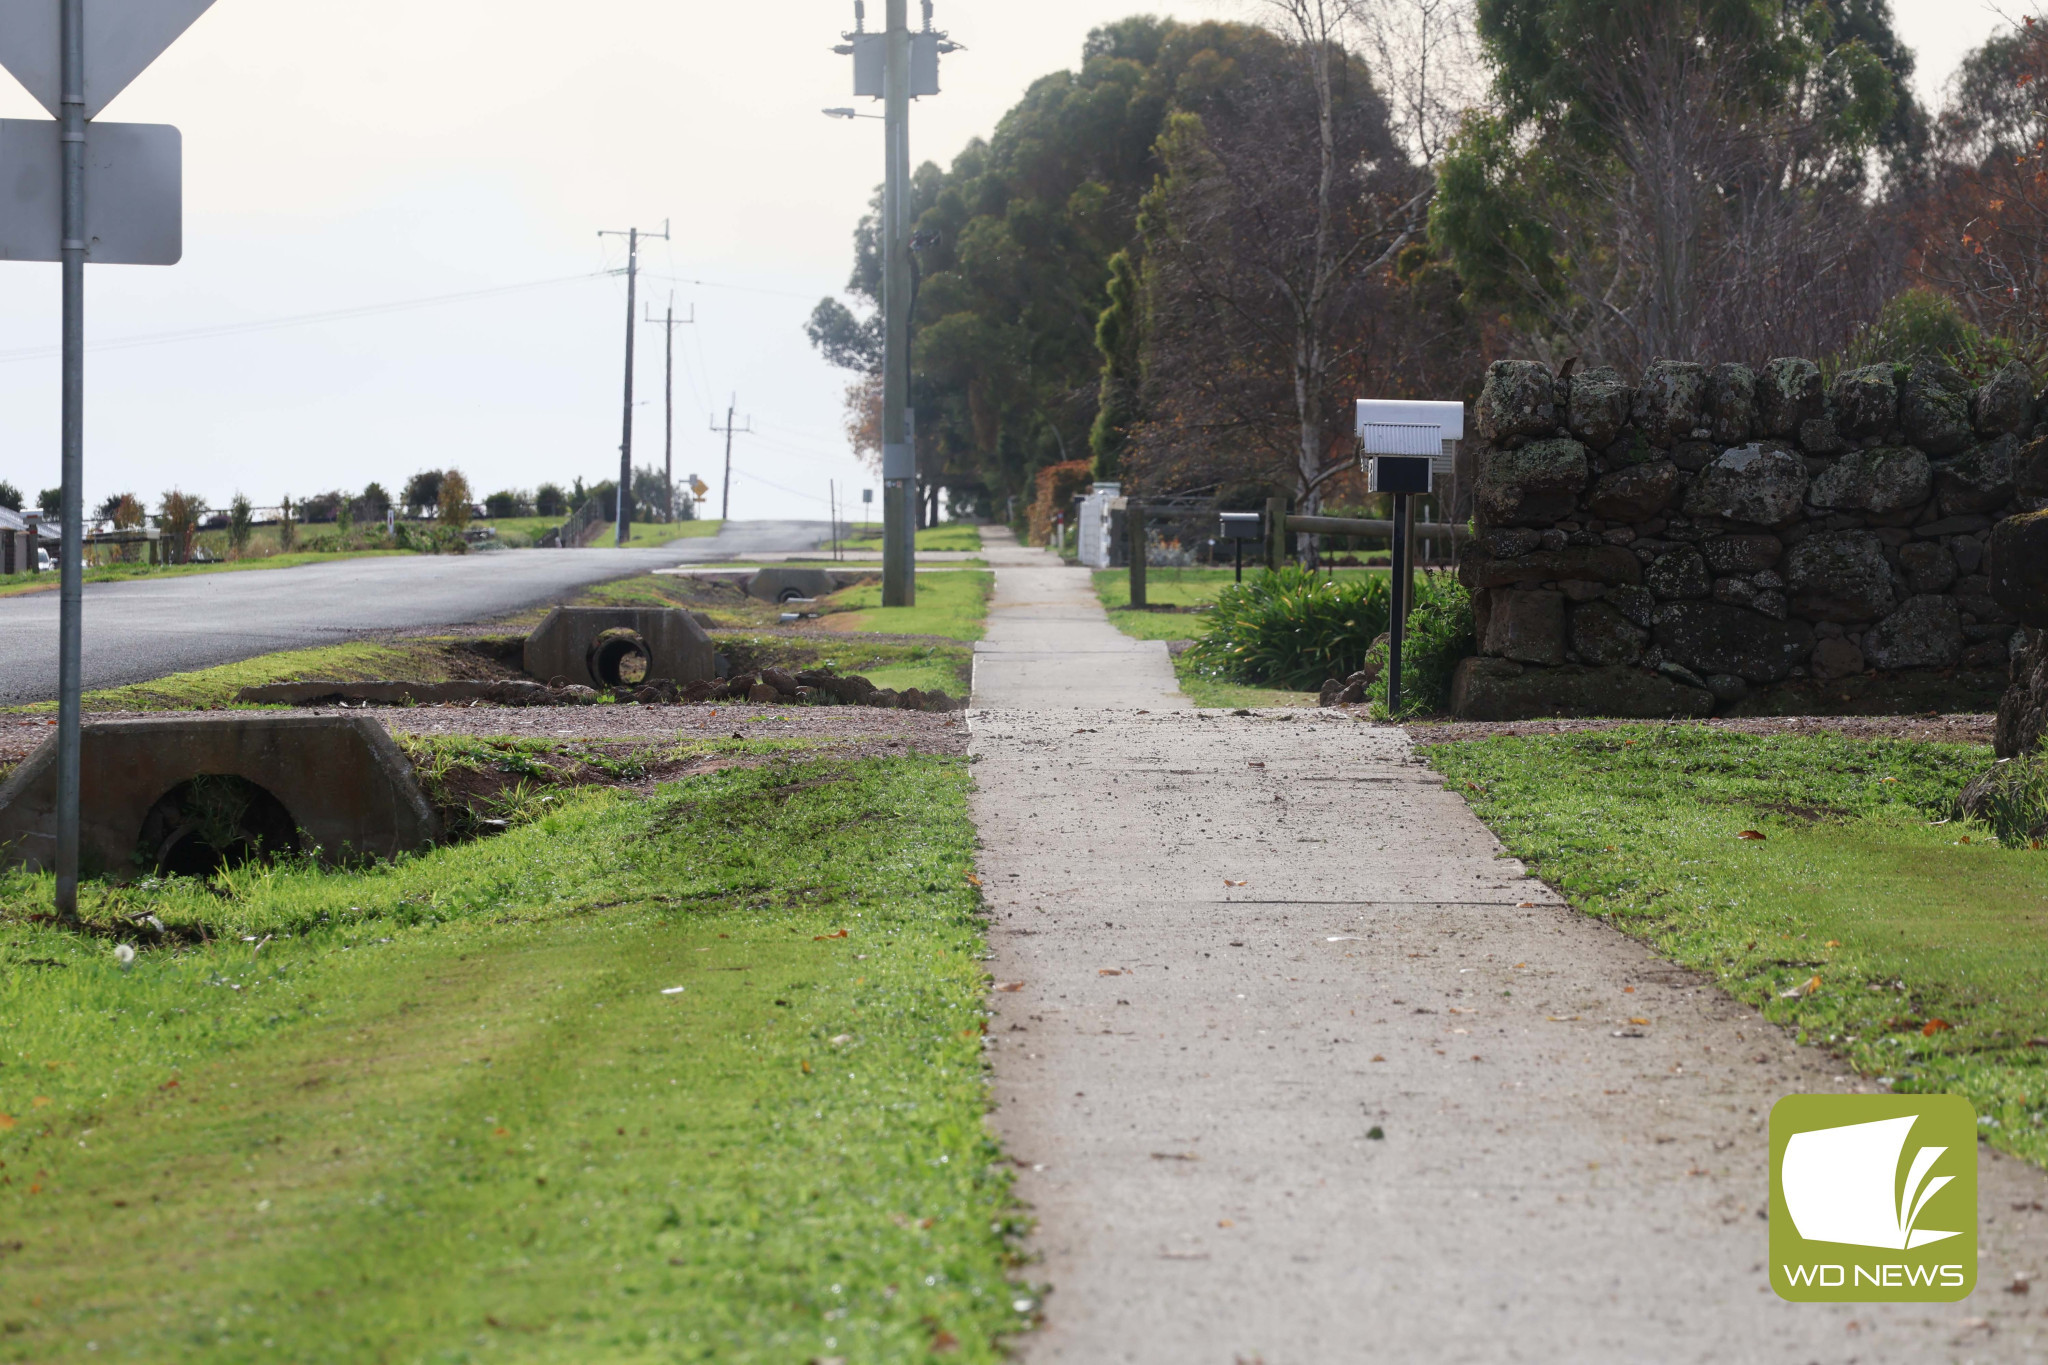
column 1134, row 526
column 1276, row 532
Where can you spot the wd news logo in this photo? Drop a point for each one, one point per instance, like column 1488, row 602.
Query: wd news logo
column 1873, row 1198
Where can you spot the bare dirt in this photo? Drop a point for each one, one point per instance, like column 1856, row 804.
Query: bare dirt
column 855, row 731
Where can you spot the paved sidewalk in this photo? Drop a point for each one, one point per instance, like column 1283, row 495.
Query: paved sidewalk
column 1232, row 948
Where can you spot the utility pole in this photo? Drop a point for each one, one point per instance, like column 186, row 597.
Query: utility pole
column 725, row 501
column 899, row 456
column 668, row 430
column 632, row 236
column 70, row 562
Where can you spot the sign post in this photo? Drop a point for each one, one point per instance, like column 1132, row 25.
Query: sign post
column 74, row 56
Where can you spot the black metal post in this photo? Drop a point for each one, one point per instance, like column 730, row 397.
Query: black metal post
column 1240, row 557
column 1397, row 597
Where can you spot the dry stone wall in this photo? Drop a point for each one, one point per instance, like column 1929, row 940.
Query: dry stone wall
column 1716, row 539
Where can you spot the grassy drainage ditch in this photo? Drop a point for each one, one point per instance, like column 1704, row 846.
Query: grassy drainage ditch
column 689, row 1076
column 1822, row 879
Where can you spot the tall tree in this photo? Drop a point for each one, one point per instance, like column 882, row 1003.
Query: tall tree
column 1675, row 177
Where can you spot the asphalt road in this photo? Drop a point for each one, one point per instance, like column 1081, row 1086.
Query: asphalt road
column 140, row 630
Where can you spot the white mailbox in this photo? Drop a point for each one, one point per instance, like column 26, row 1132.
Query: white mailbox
column 1400, row 426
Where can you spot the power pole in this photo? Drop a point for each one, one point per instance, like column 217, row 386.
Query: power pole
column 725, row 502
column 70, row 551
column 632, row 236
column 668, row 431
column 899, row 457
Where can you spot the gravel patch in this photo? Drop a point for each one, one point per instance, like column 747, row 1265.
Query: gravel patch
column 1956, row 729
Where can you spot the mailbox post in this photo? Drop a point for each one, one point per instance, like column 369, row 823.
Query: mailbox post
column 1401, row 446
column 1238, row 527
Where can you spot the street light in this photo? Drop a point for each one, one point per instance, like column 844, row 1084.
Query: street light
column 848, row 113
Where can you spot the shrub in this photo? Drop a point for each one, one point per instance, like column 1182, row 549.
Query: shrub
column 550, row 501
column 1292, row 628
column 178, row 515
column 2012, row 798
column 373, row 504
column 287, row 529
column 1440, row 633
column 10, row 496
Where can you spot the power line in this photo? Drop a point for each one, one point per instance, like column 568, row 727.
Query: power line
column 228, row 329
column 738, row 288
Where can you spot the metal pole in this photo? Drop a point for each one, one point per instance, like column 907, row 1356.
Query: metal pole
column 1397, row 603
column 71, row 580
column 626, row 438
column 668, row 429
column 1134, row 531
column 725, row 499
column 899, row 460
column 1240, row 559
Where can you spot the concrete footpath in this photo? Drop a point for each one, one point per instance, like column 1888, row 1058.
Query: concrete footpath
column 1298, row 1067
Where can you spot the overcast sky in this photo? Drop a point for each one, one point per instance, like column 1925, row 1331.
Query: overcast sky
column 348, row 155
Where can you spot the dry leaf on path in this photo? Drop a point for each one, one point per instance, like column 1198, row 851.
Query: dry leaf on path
column 1009, row 985
column 1750, row 834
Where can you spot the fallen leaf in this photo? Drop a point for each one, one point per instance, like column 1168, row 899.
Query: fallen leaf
column 39, row 1101
column 1520, row 965
column 1009, row 985
column 806, row 1066
column 1525, row 905
column 501, row 1132
column 1638, row 1020
column 1225, row 1223
column 1805, row 988
column 1562, row 1018
column 973, row 879
column 841, row 1038
column 1628, row 990
column 1834, row 943
column 1254, row 763
column 1109, row 971
column 945, row 1341
column 1228, row 882
column 1376, row 1057
column 1934, row 1026
column 1176, row 1156
column 820, row 938
column 1750, row 834
column 6, row 1122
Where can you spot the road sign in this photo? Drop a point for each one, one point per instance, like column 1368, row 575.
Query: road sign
column 698, row 486
column 134, row 200
column 122, row 37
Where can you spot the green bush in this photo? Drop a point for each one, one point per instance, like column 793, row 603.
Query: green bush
column 2012, row 798
column 1924, row 324
column 1440, row 633
column 1292, row 629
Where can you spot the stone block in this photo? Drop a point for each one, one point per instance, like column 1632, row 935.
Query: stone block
column 1839, row 576
column 1525, row 626
column 1925, row 632
column 1979, row 480
column 1762, row 485
column 1714, row 637
column 1681, row 573
column 1636, row 493
column 1613, row 565
column 1599, row 406
column 1731, row 403
column 1865, row 401
column 2005, row 405
column 1601, row 635
column 1532, row 484
column 1836, row 658
column 295, row 783
column 592, row 646
column 2023, row 710
column 1788, row 393
column 1519, row 400
column 1500, row 689
column 1934, row 408
column 2030, row 469
column 1741, row 554
column 2016, row 563
column 1671, row 402
column 1928, row 566
column 1881, row 480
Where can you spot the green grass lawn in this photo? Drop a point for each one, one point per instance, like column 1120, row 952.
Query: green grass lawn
column 646, row 534
column 695, row 1078
column 1926, row 939
column 952, row 535
column 420, row 660
column 942, row 668
column 953, row 604
column 14, row 585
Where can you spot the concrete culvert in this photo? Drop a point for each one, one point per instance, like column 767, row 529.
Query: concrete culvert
column 619, row 658
column 214, row 821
